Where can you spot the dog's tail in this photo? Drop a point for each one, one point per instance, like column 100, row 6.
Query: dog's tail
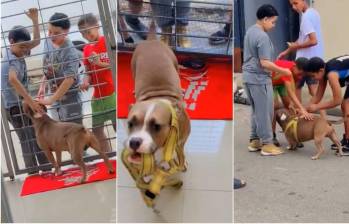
column 152, row 31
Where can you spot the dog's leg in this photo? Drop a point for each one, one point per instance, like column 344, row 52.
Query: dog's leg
column 78, row 159
column 58, row 170
column 319, row 147
column 292, row 143
column 335, row 140
column 50, row 158
column 94, row 143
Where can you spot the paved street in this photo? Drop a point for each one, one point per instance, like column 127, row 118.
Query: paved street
column 290, row 187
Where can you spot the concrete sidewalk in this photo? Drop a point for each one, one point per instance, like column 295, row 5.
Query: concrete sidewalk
column 290, row 187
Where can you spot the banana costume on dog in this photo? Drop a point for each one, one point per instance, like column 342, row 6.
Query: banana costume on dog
column 172, row 154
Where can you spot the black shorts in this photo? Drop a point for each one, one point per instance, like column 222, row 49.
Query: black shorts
column 346, row 94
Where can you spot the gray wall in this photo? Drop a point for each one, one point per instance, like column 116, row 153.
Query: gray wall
column 281, row 34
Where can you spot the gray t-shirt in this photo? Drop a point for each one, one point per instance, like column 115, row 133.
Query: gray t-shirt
column 60, row 63
column 10, row 61
column 257, row 46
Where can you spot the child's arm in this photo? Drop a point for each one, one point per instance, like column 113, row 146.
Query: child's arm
column 42, row 88
column 62, row 89
column 33, row 15
column 315, row 104
column 87, row 79
column 311, row 41
column 266, row 64
column 20, row 89
column 296, row 102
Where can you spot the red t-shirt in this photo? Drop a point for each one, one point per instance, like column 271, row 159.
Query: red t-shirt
column 103, row 77
column 280, row 79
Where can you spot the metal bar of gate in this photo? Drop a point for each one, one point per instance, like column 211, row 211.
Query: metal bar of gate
column 7, row 132
column 10, row 172
column 109, row 33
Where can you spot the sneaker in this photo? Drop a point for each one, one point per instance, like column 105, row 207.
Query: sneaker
column 137, row 25
column 345, row 145
column 276, row 142
column 270, row 150
column 343, row 141
column 255, row 145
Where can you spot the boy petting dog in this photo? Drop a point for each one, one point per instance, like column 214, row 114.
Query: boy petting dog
column 14, row 85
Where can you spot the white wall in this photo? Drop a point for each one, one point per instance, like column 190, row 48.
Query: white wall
column 335, row 26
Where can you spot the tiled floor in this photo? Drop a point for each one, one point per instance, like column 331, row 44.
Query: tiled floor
column 94, row 202
column 206, row 195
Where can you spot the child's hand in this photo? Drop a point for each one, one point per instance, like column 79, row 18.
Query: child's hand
column 94, row 58
column 32, row 13
column 84, row 86
column 41, row 93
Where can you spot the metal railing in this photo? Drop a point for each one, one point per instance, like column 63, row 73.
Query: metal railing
column 203, row 18
column 104, row 10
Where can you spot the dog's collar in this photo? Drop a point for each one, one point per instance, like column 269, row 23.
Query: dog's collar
column 292, row 126
column 148, row 166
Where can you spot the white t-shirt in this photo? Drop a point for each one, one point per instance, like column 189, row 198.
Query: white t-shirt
column 310, row 23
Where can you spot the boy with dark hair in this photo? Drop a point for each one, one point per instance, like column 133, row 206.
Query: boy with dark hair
column 14, row 85
column 336, row 73
column 309, row 43
column 284, row 86
column 257, row 67
column 97, row 63
column 61, row 63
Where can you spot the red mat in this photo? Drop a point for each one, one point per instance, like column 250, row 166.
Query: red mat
column 209, row 97
column 48, row 181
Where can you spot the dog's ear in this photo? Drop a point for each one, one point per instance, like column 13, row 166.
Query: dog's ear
column 44, row 107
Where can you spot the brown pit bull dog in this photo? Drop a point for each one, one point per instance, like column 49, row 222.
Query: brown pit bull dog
column 156, row 73
column 300, row 130
column 57, row 136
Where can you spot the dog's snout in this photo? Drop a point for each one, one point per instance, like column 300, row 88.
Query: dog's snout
column 135, row 143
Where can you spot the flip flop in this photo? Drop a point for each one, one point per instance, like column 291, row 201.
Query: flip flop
column 239, row 183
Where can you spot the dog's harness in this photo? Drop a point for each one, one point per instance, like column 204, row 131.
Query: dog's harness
column 148, row 167
column 292, row 126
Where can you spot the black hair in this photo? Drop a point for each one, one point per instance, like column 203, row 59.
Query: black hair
column 266, row 11
column 315, row 64
column 87, row 19
column 60, row 20
column 19, row 34
column 302, row 63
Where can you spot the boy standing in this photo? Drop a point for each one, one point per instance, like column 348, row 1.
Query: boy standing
column 97, row 65
column 61, row 64
column 309, row 43
column 258, row 63
column 14, row 85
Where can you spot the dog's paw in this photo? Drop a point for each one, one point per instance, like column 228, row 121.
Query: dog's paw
column 292, row 148
column 314, row 157
column 58, row 172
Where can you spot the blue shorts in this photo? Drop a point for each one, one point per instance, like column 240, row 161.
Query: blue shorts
column 306, row 79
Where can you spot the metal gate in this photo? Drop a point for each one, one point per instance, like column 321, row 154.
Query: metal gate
column 203, row 18
column 13, row 14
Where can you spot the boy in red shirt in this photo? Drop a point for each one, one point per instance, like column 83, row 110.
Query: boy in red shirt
column 99, row 75
column 284, row 86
